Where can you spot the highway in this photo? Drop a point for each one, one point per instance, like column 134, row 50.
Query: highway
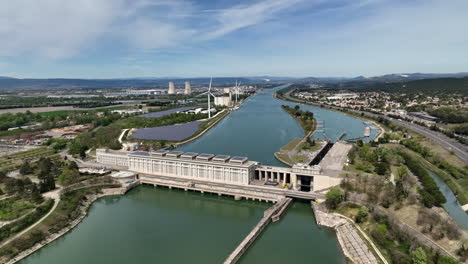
column 447, row 143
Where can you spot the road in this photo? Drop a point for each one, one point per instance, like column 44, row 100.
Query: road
column 447, row 143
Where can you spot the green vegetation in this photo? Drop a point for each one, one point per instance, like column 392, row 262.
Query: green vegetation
column 67, row 210
column 305, row 118
column 364, row 157
column 450, row 114
column 430, row 193
column 13, row 208
column 50, row 120
column 397, row 245
column 431, row 86
column 140, row 122
column 334, row 197
column 17, row 226
column 107, row 136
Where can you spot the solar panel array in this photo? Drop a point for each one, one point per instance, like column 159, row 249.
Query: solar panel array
column 167, row 112
column 171, row 133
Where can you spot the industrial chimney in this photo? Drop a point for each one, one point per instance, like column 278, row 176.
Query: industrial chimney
column 188, row 88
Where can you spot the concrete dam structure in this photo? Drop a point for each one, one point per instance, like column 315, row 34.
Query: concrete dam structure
column 236, row 172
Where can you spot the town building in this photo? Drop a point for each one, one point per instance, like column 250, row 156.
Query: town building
column 223, row 100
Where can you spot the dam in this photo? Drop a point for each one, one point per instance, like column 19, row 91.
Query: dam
column 236, row 173
column 175, row 226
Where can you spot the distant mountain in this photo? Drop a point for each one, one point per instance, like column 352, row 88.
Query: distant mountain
column 432, row 85
column 416, row 76
column 6, row 77
column 359, row 78
column 41, row 84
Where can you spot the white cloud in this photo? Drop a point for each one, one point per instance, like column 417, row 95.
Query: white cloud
column 242, row 16
column 61, row 29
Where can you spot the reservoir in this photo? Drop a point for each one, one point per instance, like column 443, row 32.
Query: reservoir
column 150, row 225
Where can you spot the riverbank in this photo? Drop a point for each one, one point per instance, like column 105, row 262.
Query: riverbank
column 83, row 213
column 455, row 185
column 210, row 126
column 299, row 150
column 224, row 113
column 353, row 241
column 294, row 100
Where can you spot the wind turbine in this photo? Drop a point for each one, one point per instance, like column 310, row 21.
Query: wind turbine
column 236, row 90
column 208, row 93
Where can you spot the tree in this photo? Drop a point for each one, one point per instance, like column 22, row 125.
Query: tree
column 418, row 256
column 68, row 176
column 3, row 175
column 72, row 165
column 36, row 196
column 400, row 190
column 402, row 172
column 360, row 143
column 362, row 214
column 25, row 168
column 297, row 107
column 381, row 168
column 44, row 167
column 19, row 186
column 334, row 197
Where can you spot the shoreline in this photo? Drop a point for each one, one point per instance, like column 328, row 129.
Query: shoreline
column 308, row 134
column 346, row 230
column 178, row 144
column 225, row 113
column 381, row 129
column 84, row 212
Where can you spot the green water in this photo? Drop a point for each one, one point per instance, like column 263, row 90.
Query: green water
column 150, row 225
column 168, row 226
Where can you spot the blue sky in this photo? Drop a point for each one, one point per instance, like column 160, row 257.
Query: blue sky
column 190, row 38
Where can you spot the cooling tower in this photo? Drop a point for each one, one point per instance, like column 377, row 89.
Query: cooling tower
column 171, row 88
column 188, row 88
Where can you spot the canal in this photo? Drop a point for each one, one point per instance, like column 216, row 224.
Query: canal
column 168, row 226
column 452, row 206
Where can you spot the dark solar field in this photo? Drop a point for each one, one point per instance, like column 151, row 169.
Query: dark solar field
column 167, row 112
column 171, row 133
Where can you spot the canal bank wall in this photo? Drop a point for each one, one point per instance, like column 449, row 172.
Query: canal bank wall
column 224, row 113
column 353, row 241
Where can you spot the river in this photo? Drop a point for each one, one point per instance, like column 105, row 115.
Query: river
column 150, row 225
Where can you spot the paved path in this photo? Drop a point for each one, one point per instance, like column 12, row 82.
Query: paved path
column 55, row 195
column 354, row 245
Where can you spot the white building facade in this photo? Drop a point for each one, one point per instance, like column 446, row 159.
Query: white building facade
column 216, row 169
